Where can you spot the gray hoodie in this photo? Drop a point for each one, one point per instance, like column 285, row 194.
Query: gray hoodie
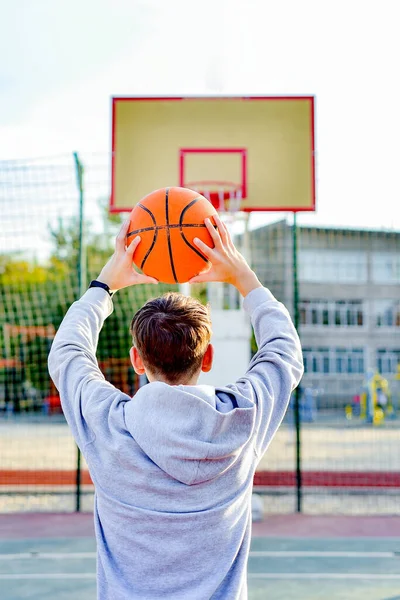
column 173, row 466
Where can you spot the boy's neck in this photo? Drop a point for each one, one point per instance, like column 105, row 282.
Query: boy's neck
column 183, row 381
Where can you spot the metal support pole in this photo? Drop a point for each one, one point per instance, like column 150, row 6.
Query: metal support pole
column 82, row 277
column 299, row 491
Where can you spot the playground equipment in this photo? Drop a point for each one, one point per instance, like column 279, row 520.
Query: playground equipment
column 374, row 402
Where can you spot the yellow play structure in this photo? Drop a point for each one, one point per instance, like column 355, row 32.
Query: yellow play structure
column 375, row 399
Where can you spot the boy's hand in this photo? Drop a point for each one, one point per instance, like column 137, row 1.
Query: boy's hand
column 227, row 264
column 119, row 271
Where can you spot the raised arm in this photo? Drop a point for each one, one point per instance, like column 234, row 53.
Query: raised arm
column 85, row 395
column 72, row 360
column 277, row 367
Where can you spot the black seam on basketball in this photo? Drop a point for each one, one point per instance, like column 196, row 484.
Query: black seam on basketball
column 187, row 208
column 183, row 214
column 175, row 226
column 149, row 212
column 153, row 243
column 146, row 256
column 181, row 225
column 171, row 258
column 193, row 247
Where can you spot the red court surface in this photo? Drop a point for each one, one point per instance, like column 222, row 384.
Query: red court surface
column 326, row 479
column 69, row 525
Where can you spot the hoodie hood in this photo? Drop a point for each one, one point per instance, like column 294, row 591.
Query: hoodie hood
column 193, row 433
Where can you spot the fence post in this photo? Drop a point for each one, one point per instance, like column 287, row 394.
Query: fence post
column 299, row 491
column 82, row 283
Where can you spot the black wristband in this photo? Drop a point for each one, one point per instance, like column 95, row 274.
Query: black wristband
column 100, row 284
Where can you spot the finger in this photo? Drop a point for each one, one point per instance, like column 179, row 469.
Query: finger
column 204, row 277
column 228, row 235
column 120, row 239
column 138, row 277
column 145, row 279
column 216, row 238
column 133, row 245
column 206, row 269
column 222, row 230
column 206, row 250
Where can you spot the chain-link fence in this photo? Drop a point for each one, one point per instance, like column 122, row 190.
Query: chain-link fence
column 348, row 314
column 40, row 270
column 345, row 456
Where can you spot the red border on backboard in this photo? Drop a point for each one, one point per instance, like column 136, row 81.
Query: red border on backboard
column 115, row 99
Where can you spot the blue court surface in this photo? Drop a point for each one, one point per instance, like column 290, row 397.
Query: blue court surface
column 280, row 567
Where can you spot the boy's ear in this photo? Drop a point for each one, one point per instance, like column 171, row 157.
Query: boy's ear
column 208, row 357
column 136, row 361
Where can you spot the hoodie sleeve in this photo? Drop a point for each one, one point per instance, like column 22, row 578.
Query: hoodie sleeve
column 276, row 368
column 86, row 396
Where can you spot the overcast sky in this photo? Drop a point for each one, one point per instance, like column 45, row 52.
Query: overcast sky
column 62, row 61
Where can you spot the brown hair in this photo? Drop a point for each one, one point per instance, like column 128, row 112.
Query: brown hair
column 171, row 334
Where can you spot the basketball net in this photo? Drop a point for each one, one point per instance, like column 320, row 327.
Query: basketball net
column 225, row 196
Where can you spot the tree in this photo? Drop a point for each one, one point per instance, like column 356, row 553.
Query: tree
column 39, row 294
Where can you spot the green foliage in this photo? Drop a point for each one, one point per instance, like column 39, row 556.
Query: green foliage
column 33, row 294
column 253, row 343
column 199, row 291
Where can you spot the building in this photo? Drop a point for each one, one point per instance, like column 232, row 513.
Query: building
column 349, row 302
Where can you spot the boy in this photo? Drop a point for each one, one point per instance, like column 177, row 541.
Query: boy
column 173, row 466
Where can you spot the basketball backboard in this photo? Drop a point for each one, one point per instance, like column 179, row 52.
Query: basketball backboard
column 261, row 149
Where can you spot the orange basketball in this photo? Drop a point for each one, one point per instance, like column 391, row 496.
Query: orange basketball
column 167, row 221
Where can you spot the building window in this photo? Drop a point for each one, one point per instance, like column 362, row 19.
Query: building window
column 332, row 266
column 316, row 360
column 338, row 313
column 387, row 361
column 387, row 313
column 333, row 360
column 306, row 359
column 386, row 267
column 340, row 355
column 355, row 361
column 326, row 363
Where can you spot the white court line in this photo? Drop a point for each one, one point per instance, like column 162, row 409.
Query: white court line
column 47, row 555
column 322, row 554
column 361, row 576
